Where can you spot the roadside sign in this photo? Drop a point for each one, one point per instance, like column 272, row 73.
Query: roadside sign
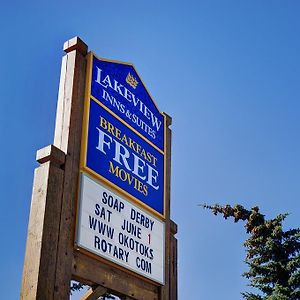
column 115, row 229
column 123, row 161
column 100, row 206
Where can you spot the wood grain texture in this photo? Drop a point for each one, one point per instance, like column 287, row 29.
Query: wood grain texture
column 165, row 290
column 173, row 268
column 90, row 271
column 68, row 138
column 51, row 153
column 75, row 43
column 40, row 257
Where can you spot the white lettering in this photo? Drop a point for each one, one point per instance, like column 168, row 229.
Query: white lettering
column 139, row 164
column 119, row 154
column 130, row 160
column 102, row 142
column 152, row 176
column 129, row 96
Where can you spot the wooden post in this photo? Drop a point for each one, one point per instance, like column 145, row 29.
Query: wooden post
column 41, row 247
column 173, row 262
column 68, row 130
column 165, row 290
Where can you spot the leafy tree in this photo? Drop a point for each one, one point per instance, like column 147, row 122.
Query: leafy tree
column 76, row 286
column 273, row 254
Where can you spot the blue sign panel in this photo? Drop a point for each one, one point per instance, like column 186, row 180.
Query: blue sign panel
column 119, row 88
column 124, row 134
column 123, row 158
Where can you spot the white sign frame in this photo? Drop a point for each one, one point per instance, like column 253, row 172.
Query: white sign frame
column 114, row 228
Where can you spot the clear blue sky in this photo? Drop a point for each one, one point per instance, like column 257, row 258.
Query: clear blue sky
column 228, row 73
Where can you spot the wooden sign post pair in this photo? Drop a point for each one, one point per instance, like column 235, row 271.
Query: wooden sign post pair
column 52, row 259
